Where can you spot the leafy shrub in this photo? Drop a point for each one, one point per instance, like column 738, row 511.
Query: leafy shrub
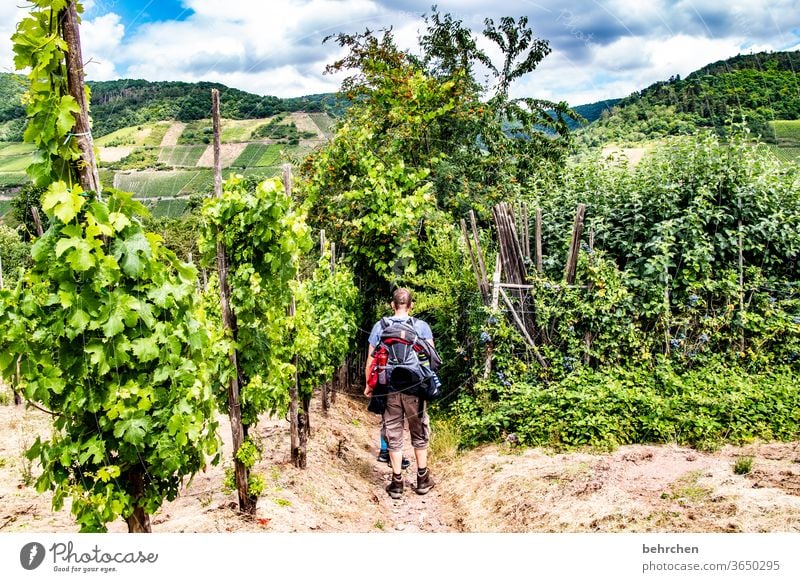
column 704, row 408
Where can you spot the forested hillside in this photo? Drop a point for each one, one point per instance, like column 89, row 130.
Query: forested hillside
column 759, row 88
column 130, row 102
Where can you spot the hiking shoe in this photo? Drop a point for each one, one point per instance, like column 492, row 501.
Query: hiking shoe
column 383, row 457
column 424, row 482
column 395, row 487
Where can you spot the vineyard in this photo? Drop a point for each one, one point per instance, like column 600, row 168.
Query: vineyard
column 618, row 335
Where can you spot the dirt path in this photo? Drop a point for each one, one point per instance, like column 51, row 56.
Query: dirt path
column 173, row 133
column 228, row 152
column 643, row 488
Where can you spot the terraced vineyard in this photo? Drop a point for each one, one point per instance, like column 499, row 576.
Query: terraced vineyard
column 181, row 155
column 138, row 159
column 165, row 184
column 148, row 135
column 259, row 155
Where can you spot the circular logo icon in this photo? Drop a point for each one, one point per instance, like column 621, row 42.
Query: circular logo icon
column 31, row 555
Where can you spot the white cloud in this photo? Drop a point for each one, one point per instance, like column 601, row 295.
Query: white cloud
column 101, row 39
column 267, row 48
column 10, row 15
column 601, row 48
column 645, row 62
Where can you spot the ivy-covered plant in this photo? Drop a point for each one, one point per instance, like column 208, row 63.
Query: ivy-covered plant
column 39, row 47
column 264, row 239
column 325, row 323
column 112, row 343
column 104, row 327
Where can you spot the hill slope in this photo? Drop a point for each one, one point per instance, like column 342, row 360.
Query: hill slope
column 761, row 87
column 131, row 102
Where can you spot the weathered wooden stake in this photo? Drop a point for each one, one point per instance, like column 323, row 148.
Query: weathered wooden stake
column 473, row 260
column 574, row 245
column 478, row 250
column 523, row 330
column 741, row 283
column 37, row 221
column 247, row 503
column 88, row 175
column 526, row 230
column 538, row 235
column 298, row 419
column 498, row 265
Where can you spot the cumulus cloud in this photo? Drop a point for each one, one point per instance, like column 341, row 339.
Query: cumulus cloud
column 600, row 48
column 101, row 38
column 10, row 15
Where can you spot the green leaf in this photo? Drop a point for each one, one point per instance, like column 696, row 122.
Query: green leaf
column 97, row 357
column 62, row 202
column 77, row 323
column 127, row 251
column 145, row 349
column 66, row 119
column 114, row 324
column 132, row 430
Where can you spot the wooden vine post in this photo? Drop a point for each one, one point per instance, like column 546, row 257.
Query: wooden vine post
column 89, row 178
column 247, row 503
column 88, row 175
column 538, row 235
column 327, row 387
column 574, row 245
column 298, row 416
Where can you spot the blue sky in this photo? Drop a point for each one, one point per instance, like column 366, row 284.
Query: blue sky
column 600, row 48
column 137, row 13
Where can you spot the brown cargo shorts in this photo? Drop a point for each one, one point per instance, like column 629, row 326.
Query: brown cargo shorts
column 399, row 407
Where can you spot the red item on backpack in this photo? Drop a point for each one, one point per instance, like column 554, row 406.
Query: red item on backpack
column 377, row 372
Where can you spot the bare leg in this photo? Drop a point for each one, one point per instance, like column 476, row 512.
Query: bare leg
column 422, row 458
column 396, row 457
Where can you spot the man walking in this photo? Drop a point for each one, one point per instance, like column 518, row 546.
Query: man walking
column 404, row 404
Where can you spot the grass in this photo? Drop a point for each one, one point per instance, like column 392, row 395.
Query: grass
column 688, row 489
column 743, row 465
column 149, row 134
column 5, row 206
column 181, row 155
column 445, row 439
column 239, row 130
column 787, row 132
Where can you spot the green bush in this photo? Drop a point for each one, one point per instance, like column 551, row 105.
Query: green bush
column 704, row 408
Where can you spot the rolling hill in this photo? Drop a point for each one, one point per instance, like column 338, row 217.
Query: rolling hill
column 154, row 137
column 759, row 88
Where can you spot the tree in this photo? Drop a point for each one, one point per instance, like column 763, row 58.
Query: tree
column 423, row 136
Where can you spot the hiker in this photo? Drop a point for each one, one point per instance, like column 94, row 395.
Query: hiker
column 403, row 403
